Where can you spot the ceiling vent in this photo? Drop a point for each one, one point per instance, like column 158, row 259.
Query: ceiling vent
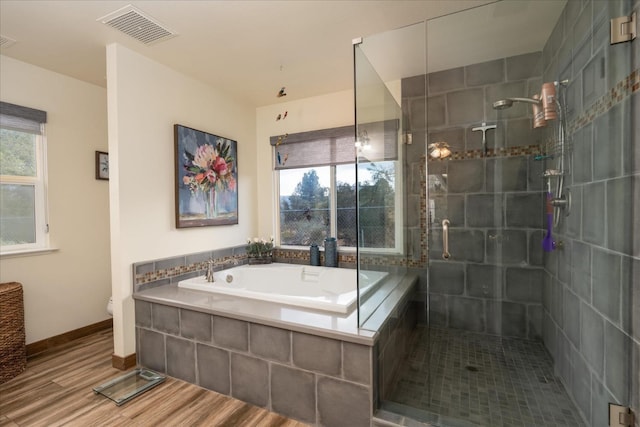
column 6, row 41
column 134, row 23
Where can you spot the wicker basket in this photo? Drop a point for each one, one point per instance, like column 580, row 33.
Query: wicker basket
column 13, row 359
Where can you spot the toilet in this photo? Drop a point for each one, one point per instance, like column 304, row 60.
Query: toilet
column 110, row 306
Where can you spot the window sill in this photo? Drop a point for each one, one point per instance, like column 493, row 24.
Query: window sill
column 27, row 252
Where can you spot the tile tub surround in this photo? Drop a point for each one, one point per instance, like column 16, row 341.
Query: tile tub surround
column 259, row 352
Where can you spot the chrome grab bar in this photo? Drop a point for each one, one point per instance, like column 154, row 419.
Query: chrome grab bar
column 445, row 239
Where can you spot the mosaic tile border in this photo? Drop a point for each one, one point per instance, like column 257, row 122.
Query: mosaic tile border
column 525, row 150
column 622, row 90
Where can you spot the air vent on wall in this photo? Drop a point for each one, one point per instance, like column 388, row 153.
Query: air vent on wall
column 134, row 23
column 6, row 41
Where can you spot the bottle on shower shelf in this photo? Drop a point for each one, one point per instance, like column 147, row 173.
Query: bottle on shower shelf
column 330, row 252
column 314, row 255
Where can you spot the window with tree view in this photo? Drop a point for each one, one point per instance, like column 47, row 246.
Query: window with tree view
column 22, row 189
column 317, row 194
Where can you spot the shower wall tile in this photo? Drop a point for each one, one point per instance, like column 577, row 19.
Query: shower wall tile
column 574, row 219
column 581, row 55
column 484, row 210
column 451, row 208
column 521, row 133
column 617, row 358
column 606, row 273
column 599, row 395
column 631, row 140
column 535, row 243
column 535, row 181
column 414, row 86
column 592, row 338
column 438, row 309
column 484, row 281
column 524, row 66
column 514, row 319
column 436, row 111
column 467, row 245
column 506, row 246
column 413, row 210
column 524, row 284
column 608, row 136
column 594, row 79
column 557, row 302
column 524, row 210
column 581, row 384
column 620, row 215
column 466, row 176
column 506, row 90
column 582, row 155
column 446, row 277
column 181, row 359
column 581, row 270
column 507, row 174
column 572, row 317
column 593, row 215
column 534, row 322
column 442, row 81
column 465, row 106
column 213, row 368
column 467, row 314
column 485, row 72
column 418, row 113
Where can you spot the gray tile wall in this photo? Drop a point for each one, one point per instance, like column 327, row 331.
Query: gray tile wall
column 594, row 334
column 493, row 282
column 317, row 380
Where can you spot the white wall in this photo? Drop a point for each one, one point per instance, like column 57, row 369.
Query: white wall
column 145, row 100
column 69, row 288
column 319, row 112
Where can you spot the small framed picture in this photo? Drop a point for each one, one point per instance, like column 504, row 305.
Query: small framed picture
column 102, row 165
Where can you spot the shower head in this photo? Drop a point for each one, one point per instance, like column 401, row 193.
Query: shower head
column 508, row 102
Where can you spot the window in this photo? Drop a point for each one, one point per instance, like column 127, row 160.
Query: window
column 316, row 175
column 23, row 223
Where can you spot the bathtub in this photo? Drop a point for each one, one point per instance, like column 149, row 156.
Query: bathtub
column 320, row 288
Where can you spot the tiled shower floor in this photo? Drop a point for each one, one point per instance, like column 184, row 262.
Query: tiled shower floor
column 483, row 380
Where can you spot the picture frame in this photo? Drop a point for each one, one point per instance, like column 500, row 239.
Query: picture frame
column 206, row 178
column 102, row 165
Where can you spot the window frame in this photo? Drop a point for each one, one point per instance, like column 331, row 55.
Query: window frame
column 39, row 183
column 333, row 209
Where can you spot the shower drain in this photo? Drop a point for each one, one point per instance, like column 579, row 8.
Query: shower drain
column 471, row 368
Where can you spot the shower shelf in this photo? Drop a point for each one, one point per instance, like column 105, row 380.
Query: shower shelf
column 552, row 172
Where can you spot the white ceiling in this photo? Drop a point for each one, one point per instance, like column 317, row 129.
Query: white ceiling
column 249, row 48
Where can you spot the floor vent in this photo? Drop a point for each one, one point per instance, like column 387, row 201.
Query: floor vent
column 135, row 23
column 6, row 41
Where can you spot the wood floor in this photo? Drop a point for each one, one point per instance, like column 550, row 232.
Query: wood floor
column 56, row 390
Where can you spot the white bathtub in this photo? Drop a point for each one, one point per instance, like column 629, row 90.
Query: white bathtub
column 320, row 288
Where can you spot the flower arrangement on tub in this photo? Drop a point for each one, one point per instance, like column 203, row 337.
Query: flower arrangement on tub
column 260, row 250
column 209, row 170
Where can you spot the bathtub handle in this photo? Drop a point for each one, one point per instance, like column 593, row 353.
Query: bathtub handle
column 445, row 239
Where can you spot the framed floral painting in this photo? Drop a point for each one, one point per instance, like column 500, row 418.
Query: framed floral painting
column 206, row 178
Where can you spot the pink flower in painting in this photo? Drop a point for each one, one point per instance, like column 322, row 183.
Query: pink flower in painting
column 220, row 166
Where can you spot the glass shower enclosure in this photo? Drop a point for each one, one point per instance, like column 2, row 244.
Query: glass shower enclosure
column 518, row 167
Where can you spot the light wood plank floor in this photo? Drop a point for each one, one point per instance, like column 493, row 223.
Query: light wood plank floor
column 56, row 390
